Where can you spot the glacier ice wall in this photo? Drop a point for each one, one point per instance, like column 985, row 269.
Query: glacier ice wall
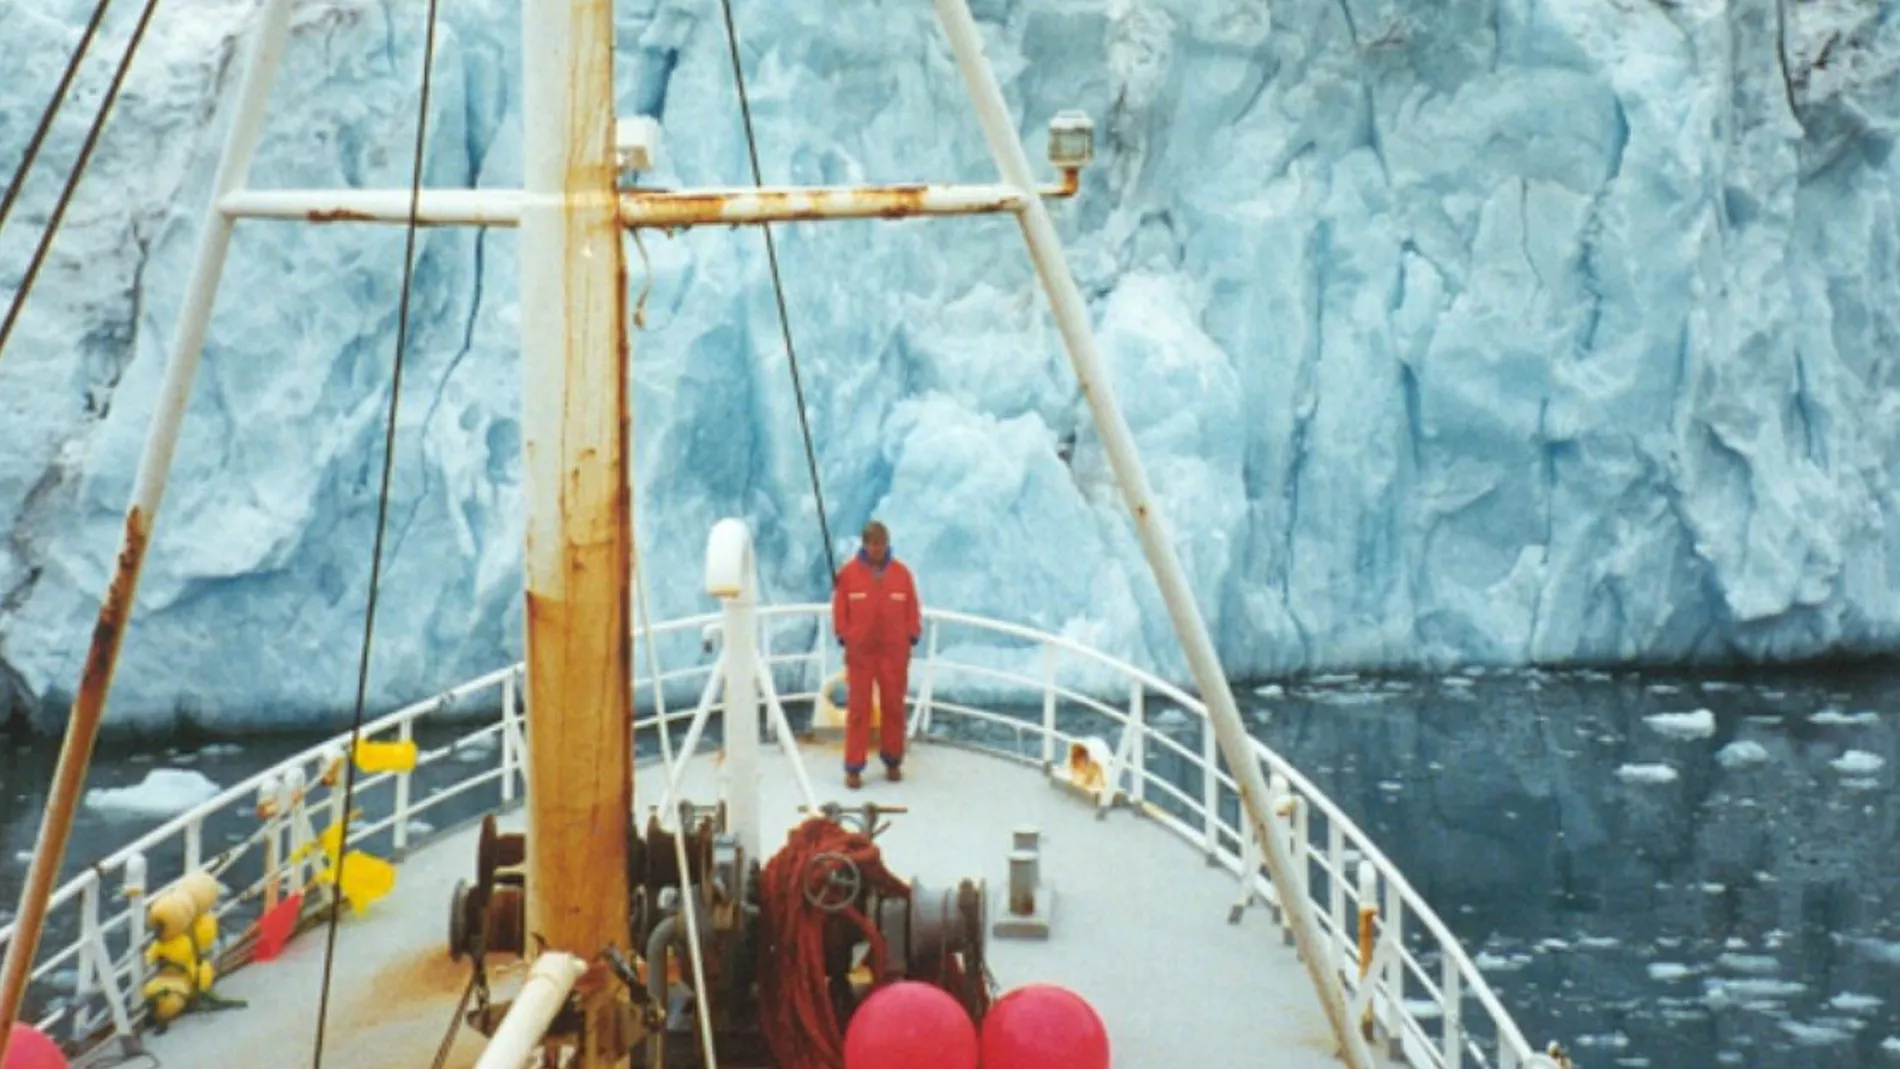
column 1470, row 331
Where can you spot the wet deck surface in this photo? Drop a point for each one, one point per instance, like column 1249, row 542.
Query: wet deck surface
column 1140, row 930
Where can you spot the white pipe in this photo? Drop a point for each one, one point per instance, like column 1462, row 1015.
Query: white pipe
column 638, row 208
column 147, row 492
column 1073, row 321
column 693, row 730
column 434, row 207
column 787, row 741
column 690, row 909
column 541, row 998
column 732, row 576
column 731, row 207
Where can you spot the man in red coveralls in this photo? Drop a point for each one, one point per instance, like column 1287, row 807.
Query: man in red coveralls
column 877, row 617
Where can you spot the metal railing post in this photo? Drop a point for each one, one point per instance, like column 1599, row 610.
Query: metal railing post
column 508, row 738
column 1454, row 1036
column 1210, row 792
column 406, row 733
column 1048, row 706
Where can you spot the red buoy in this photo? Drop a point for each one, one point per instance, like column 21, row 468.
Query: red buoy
column 1042, row 1026
column 28, row 1048
column 910, row 1025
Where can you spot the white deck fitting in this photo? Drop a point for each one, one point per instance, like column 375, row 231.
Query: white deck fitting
column 1140, row 931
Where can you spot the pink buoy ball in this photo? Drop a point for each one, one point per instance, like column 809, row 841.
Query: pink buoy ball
column 28, row 1048
column 1042, row 1026
column 910, row 1025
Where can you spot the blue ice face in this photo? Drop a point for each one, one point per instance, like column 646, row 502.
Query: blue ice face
column 1460, row 332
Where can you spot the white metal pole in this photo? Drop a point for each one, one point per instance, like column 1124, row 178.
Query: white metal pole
column 82, row 729
column 1072, row 320
column 740, row 770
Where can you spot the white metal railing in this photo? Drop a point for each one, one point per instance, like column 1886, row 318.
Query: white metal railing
column 1414, row 990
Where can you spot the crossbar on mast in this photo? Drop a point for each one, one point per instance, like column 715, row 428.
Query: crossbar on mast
column 661, row 209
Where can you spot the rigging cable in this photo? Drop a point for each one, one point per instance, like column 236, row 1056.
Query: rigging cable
column 52, row 109
column 382, row 526
column 778, row 291
column 79, row 168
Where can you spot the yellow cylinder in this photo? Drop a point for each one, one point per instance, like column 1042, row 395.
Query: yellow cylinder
column 171, row 913
column 167, row 994
column 204, row 932
column 176, row 951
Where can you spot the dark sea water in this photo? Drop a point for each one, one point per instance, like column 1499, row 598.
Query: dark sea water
column 1646, row 894
column 1696, row 891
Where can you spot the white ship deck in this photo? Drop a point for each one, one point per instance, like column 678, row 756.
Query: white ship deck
column 1140, row 930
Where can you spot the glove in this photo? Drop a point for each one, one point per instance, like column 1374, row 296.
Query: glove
column 913, row 641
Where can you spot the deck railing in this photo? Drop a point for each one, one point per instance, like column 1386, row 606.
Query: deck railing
column 1041, row 699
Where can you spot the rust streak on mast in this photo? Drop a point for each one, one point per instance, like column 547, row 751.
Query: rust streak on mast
column 75, row 756
column 575, row 469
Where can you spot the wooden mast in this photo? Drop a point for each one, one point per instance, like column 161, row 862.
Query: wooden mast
column 577, row 559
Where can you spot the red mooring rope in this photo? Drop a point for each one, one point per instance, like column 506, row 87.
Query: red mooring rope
column 797, row 1017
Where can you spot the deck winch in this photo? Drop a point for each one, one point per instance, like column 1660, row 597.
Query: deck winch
column 788, row 949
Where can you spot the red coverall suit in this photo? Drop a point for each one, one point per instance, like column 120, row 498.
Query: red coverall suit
column 875, row 612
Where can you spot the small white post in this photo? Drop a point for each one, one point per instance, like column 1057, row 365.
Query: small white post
column 694, row 729
column 1454, row 1034
column 1210, row 792
column 1392, row 929
column 732, row 577
column 194, row 843
column 926, row 695
column 508, row 738
column 135, row 873
column 1138, row 747
column 405, row 733
column 88, row 932
column 1048, row 706
column 1336, row 895
column 270, row 812
column 290, row 811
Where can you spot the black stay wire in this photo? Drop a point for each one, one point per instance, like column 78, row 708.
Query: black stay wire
column 778, row 291
column 52, row 109
column 382, row 526
column 79, row 168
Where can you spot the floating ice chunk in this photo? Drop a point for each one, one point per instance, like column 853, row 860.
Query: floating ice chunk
column 1664, row 689
column 1837, row 718
column 1270, row 690
column 1699, row 724
column 1750, row 964
column 1858, row 763
column 1741, row 754
column 1854, row 1002
column 164, row 792
column 1891, row 1045
column 1669, row 970
column 1655, row 773
column 1815, row 1035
